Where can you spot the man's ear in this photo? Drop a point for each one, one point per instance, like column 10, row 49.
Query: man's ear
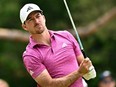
column 44, row 18
column 24, row 27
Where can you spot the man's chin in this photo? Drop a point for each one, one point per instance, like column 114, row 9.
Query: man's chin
column 40, row 31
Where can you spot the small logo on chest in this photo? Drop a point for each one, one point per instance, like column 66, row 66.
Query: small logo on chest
column 64, row 45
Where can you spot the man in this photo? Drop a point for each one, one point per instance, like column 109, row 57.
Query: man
column 106, row 80
column 52, row 58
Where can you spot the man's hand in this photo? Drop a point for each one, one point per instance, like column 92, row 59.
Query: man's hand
column 84, row 66
column 87, row 70
column 91, row 74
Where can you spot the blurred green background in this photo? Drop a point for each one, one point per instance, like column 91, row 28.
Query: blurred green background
column 100, row 46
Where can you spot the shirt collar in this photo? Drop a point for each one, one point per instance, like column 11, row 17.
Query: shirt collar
column 33, row 43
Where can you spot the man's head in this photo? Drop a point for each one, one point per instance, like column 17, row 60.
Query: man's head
column 106, row 80
column 27, row 9
column 32, row 18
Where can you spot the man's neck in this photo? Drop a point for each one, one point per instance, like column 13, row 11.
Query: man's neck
column 43, row 38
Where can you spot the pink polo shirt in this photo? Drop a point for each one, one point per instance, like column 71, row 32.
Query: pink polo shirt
column 59, row 58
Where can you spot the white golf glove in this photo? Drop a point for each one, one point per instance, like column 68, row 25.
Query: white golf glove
column 91, row 74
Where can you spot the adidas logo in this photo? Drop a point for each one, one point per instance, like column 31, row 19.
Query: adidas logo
column 64, row 45
column 29, row 8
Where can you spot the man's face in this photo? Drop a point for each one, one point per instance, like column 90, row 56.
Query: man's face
column 35, row 23
column 107, row 82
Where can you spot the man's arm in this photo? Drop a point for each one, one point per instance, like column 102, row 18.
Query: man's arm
column 80, row 58
column 45, row 80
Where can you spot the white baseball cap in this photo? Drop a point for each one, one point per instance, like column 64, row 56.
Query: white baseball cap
column 27, row 9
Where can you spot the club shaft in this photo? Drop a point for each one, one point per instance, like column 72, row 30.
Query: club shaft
column 74, row 27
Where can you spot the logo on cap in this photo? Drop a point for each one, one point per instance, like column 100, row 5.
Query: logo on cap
column 29, row 8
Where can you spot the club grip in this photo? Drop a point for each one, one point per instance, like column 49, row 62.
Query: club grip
column 83, row 53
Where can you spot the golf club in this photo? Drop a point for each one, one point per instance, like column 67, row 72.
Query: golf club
column 74, row 27
column 92, row 73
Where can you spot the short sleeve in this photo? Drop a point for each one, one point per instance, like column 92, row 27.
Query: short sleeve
column 75, row 44
column 33, row 65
